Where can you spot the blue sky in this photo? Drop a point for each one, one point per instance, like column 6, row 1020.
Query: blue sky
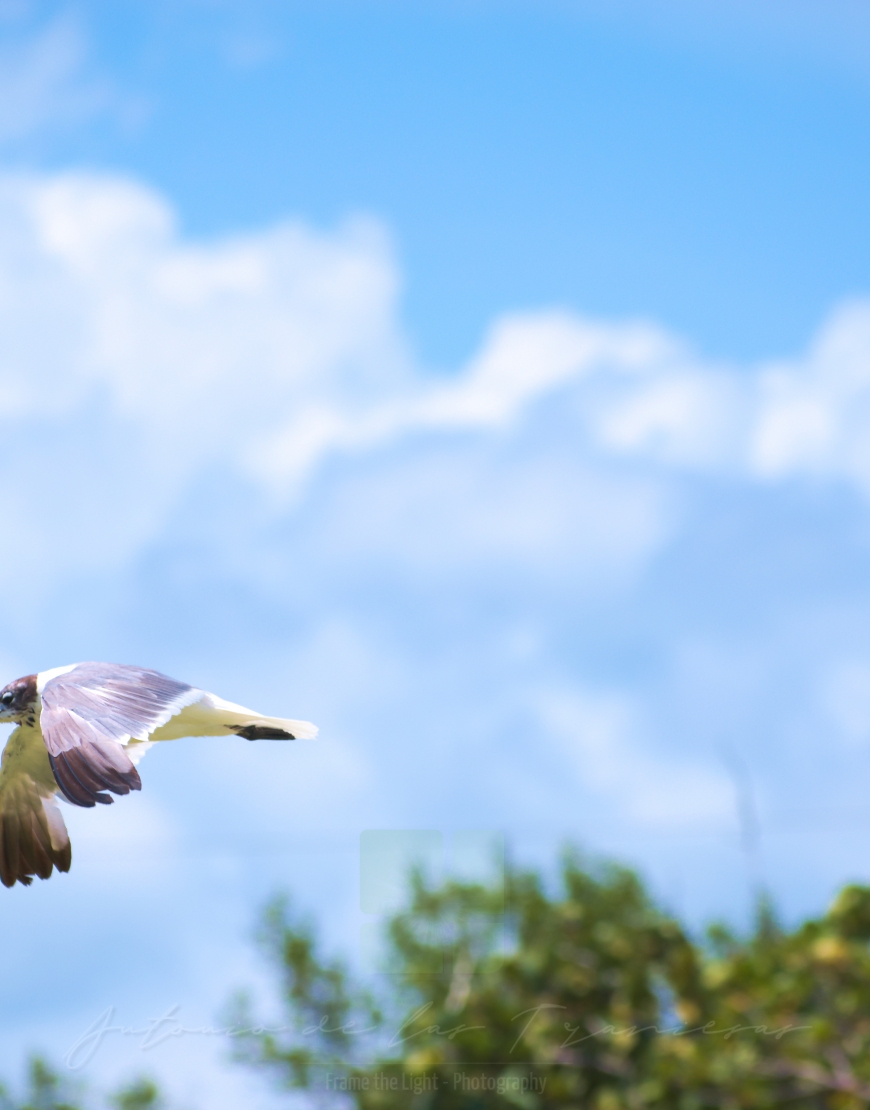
column 489, row 383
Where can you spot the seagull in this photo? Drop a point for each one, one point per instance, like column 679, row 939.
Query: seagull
column 81, row 731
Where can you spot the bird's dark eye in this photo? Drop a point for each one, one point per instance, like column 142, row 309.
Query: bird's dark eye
column 6, row 698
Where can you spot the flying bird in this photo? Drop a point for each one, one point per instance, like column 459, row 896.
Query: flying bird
column 81, row 731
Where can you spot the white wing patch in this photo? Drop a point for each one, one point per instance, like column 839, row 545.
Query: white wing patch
column 47, row 676
column 136, row 749
column 210, row 715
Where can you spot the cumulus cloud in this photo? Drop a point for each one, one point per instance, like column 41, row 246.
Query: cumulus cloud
column 523, row 358
column 814, row 416
column 133, row 361
column 143, row 360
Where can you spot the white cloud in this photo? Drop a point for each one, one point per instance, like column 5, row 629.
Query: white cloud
column 132, row 361
column 845, row 696
column 814, row 415
column 465, row 508
column 524, row 357
column 200, row 338
column 135, row 361
column 43, row 82
column 685, row 416
column 597, row 736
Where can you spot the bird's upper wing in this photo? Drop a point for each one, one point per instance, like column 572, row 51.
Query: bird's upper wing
column 33, row 837
column 91, row 711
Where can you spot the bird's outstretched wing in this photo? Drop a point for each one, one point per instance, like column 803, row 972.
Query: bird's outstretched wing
column 33, row 837
column 95, row 716
column 89, row 714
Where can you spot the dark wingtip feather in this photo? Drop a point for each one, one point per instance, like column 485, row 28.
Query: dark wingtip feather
column 262, row 732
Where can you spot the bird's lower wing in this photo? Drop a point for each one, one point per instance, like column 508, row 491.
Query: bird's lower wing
column 90, row 712
column 33, row 837
column 210, row 715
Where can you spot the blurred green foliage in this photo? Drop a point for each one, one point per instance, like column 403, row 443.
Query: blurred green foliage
column 588, row 997
column 46, row 1090
column 143, row 1094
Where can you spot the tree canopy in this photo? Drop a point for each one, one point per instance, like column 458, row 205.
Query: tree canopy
column 589, row 996
column 586, row 995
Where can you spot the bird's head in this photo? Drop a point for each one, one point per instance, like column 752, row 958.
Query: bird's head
column 18, row 698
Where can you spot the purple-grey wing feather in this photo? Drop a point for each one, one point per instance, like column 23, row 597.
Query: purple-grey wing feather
column 90, row 712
